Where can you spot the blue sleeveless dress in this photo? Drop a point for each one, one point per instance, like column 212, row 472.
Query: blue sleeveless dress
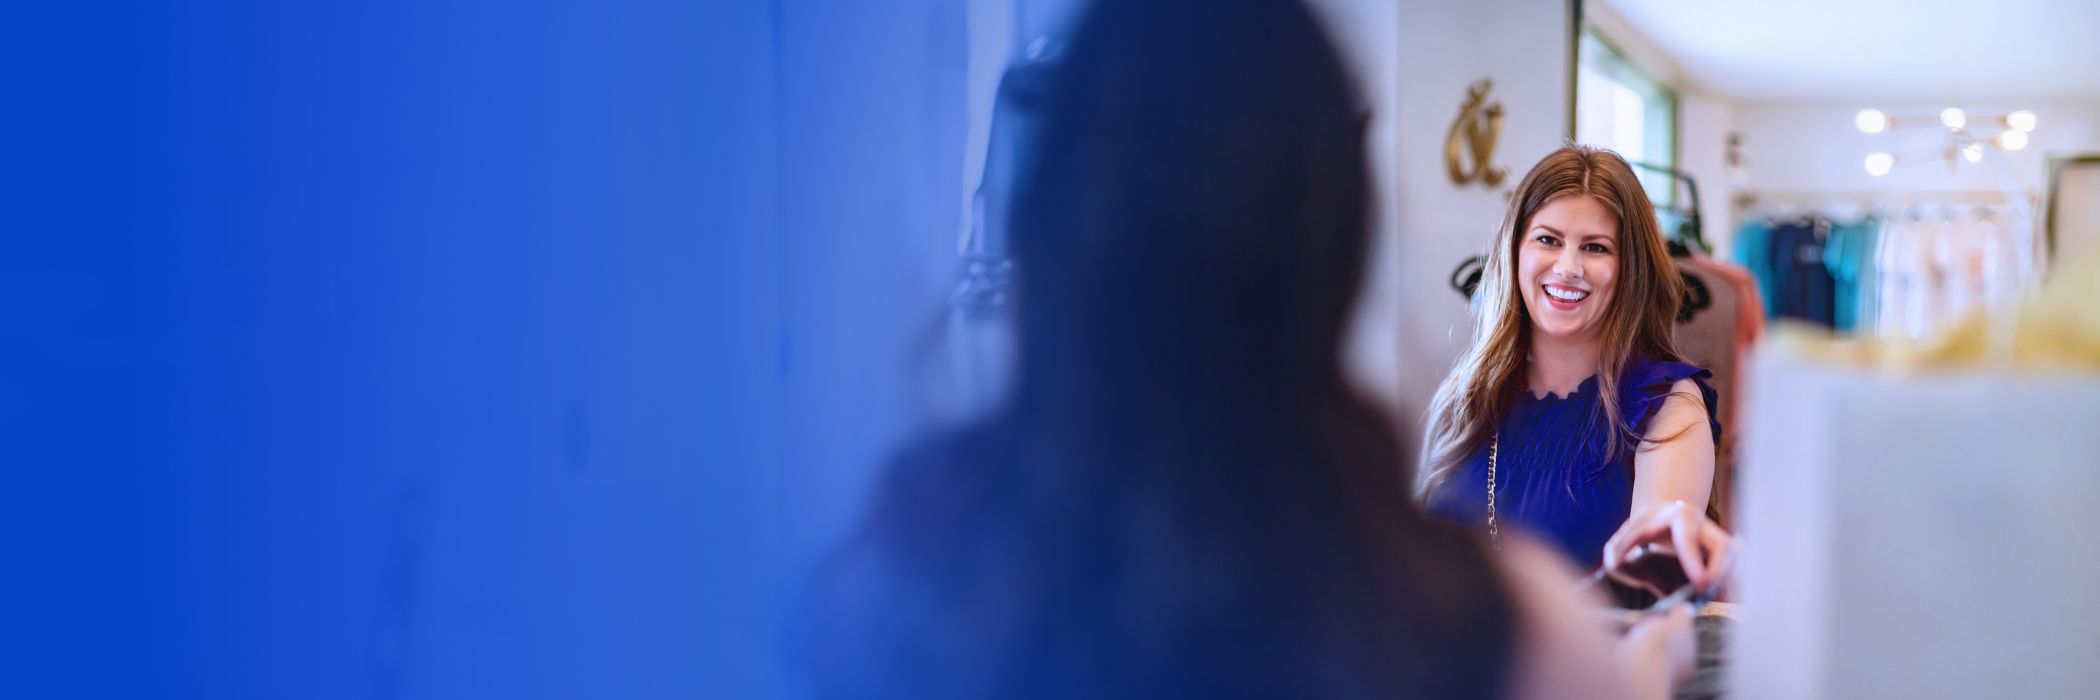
column 1553, row 480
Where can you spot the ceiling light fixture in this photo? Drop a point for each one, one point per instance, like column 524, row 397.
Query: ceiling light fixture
column 1871, row 121
column 1878, row 163
column 1965, row 139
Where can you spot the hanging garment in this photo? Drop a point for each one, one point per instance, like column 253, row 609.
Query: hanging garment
column 1709, row 337
column 1953, row 251
column 1750, row 327
column 1849, row 256
column 2001, row 256
column 1804, row 288
column 1990, row 270
column 1750, row 304
column 1894, row 257
column 1712, row 338
column 1753, row 248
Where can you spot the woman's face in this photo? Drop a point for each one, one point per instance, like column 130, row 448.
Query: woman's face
column 1566, row 266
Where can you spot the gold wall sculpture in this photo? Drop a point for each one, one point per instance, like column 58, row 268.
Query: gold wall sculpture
column 1469, row 149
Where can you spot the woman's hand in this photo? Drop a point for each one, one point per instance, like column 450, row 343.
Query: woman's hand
column 1702, row 547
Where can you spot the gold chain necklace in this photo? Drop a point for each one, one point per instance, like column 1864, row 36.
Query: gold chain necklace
column 1494, row 446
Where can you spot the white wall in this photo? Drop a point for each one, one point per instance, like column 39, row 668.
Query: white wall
column 1876, row 541
column 1415, row 64
column 1704, row 121
column 869, row 235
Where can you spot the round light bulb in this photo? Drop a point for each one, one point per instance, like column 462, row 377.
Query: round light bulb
column 1973, row 152
column 1953, row 118
column 2012, row 140
column 1878, row 163
column 1871, row 121
column 2022, row 120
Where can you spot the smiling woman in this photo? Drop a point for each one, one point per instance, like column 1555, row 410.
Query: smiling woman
column 1566, row 266
column 1571, row 414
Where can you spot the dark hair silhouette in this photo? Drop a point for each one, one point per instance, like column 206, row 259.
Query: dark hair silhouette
column 1183, row 495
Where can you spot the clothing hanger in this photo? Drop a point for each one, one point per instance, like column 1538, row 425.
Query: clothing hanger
column 1466, row 278
column 1696, row 298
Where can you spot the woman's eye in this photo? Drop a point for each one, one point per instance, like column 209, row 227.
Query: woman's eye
column 1596, row 248
column 1547, row 239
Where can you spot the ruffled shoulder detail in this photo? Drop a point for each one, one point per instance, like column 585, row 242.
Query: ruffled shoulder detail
column 1647, row 382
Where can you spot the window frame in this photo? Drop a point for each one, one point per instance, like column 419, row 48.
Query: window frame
column 1596, row 52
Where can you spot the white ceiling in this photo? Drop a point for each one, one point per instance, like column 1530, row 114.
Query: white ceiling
column 1880, row 49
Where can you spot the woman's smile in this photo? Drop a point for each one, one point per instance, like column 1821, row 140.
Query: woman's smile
column 1564, row 297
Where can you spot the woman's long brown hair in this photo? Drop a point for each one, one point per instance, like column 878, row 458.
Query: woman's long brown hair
column 1471, row 401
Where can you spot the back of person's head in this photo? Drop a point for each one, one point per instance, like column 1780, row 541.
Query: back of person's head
column 1194, row 216
column 1183, row 496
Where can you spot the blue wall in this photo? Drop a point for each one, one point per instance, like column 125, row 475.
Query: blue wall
column 404, row 349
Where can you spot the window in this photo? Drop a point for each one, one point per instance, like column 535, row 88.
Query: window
column 1620, row 107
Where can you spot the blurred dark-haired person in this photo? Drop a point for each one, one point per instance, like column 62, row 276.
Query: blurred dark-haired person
column 1183, row 496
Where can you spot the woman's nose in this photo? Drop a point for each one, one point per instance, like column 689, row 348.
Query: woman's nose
column 1568, row 264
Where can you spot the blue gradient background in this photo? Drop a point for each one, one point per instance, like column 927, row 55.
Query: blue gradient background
column 409, row 349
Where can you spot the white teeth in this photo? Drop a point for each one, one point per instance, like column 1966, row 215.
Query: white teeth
column 1566, row 294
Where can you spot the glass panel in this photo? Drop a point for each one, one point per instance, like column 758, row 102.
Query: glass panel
column 1621, row 108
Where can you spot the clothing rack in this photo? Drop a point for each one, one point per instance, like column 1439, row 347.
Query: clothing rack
column 1894, row 263
column 1840, row 206
column 1878, row 199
